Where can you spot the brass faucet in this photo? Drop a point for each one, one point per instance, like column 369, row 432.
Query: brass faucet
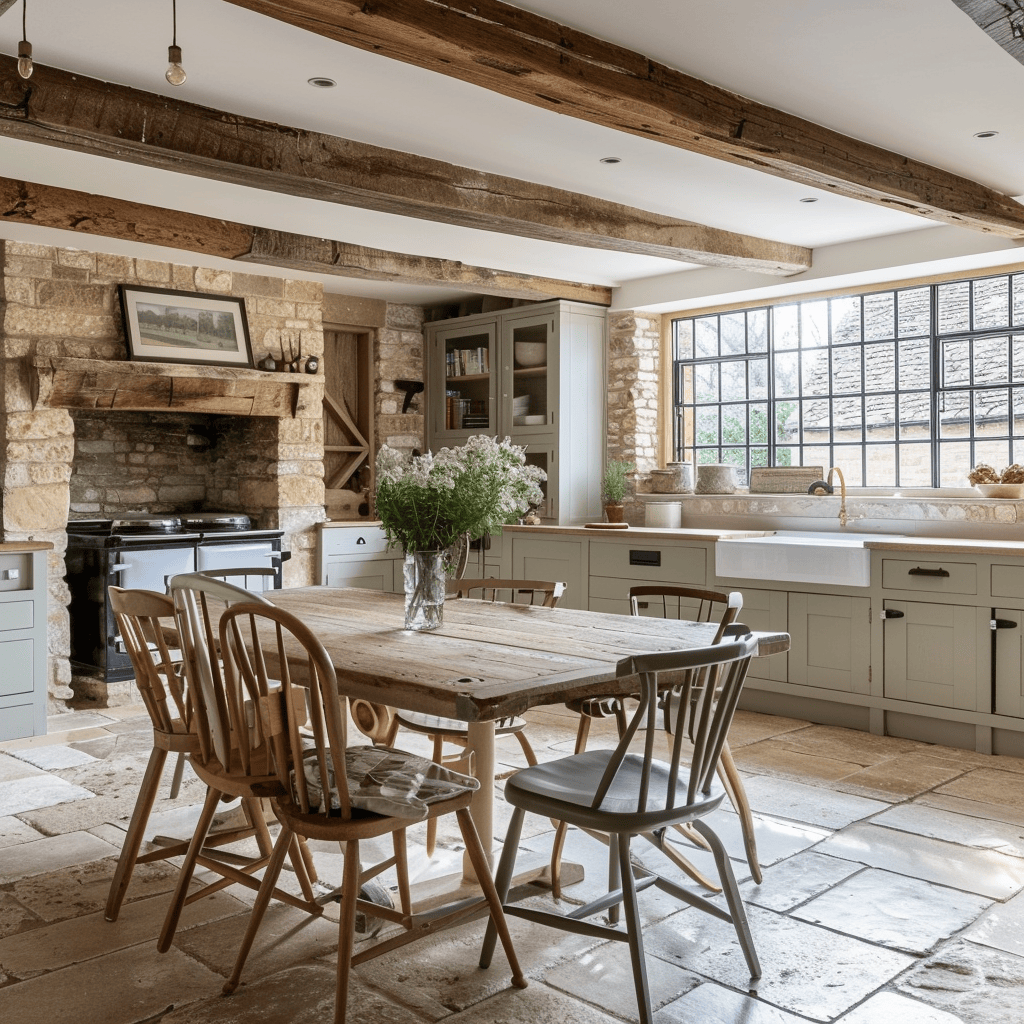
column 825, row 487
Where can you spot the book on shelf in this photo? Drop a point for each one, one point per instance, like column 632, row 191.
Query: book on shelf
column 466, row 362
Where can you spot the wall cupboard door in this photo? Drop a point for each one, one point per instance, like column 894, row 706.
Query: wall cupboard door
column 464, row 365
column 830, row 642
column 1008, row 660
column 932, row 654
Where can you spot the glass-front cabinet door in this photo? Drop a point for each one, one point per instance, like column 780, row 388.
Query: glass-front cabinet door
column 466, row 360
column 529, row 357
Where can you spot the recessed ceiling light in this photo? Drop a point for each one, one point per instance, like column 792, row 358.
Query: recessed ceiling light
column 322, row 83
column 611, row 159
column 984, row 135
column 809, row 199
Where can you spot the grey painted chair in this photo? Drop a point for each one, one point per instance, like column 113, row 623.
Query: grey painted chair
column 626, row 794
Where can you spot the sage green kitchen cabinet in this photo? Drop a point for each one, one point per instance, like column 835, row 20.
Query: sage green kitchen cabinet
column 1007, row 640
column 563, row 560
column 765, row 610
column 830, row 642
column 23, row 645
column 358, row 555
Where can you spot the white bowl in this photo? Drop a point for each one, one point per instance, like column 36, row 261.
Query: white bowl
column 531, row 353
column 1001, row 490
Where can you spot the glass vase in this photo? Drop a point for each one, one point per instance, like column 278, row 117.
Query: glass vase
column 424, row 589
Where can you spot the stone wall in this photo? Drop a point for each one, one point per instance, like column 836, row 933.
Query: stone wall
column 63, row 302
column 634, row 362
column 399, row 356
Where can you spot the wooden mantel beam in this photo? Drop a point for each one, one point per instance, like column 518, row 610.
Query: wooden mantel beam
column 74, row 112
column 23, row 202
column 531, row 58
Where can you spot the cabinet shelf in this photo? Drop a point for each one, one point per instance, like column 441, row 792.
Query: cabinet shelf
column 468, row 378
column 530, row 371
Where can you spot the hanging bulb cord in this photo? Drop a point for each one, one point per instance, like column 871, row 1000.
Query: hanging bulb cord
column 174, row 22
column 24, row 21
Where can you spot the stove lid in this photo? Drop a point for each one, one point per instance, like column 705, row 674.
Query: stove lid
column 208, row 521
column 138, row 522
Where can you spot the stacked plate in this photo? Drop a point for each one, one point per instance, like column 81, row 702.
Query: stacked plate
column 520, row 405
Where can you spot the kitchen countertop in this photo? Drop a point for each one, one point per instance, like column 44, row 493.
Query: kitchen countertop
column 636, row 533
column 16, row 546
column 949, row 546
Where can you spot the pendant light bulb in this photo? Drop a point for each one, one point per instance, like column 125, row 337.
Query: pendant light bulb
column 175, row 73
column 25, row 65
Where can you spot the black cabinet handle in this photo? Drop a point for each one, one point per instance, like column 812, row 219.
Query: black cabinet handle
column 892, row 613
column 918, row 571
column 1002, row 624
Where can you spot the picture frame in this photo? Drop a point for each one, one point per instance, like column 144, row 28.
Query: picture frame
column 162, row 325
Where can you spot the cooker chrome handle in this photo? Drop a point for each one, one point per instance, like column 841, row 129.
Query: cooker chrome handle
column 120, row 567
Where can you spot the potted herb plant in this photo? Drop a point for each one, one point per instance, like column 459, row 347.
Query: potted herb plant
column 616, row 474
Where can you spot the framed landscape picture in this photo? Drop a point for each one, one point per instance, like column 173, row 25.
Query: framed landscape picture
column 164, row 326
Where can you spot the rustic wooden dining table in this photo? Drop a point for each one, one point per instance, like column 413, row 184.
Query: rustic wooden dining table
column 487, row 661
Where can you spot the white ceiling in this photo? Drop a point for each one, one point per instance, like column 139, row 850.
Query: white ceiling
column 914, row 76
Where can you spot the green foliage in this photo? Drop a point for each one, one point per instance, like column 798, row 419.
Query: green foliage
column 616, row 474
column 734, row 434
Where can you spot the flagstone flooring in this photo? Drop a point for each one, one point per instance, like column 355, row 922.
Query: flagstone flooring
column 892, row 892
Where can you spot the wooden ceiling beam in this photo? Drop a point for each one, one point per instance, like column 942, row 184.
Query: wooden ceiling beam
column 527, row 57
column 82, row 114
column 1002, row 20
column 6, row 5
column 23, row 202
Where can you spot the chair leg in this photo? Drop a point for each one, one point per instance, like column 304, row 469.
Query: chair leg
column 187, row 869
column 633, row 930
column 483, row 873
column 346, row 928
column 432, row 822
column 614, row 880
column 582, row 734
column 133, row 837
column 732, row 897
column 179, row 771
column 259, row 908
column 402, row 871
column 733, row 783
column 503, row 879
column 531, row 757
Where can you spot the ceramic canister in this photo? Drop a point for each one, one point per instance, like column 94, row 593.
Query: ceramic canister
column 663, row 514
column 716, row 478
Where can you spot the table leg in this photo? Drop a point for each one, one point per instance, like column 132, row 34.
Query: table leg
column 481, row 743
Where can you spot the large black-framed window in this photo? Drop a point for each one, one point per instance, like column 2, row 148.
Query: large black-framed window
column 903, row 387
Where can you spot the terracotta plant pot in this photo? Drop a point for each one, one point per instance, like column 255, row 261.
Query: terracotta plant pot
column 614, row 513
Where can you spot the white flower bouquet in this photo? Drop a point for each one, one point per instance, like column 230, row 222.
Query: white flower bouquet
column 428, row 501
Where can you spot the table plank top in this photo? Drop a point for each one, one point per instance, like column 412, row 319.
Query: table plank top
column 487, row 660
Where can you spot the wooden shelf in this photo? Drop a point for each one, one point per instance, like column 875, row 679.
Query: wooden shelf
column 467, row 378
column 530, row 371
column 62, row 382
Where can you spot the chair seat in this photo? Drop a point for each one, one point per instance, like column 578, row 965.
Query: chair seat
column 435, row 725
column 565, row 789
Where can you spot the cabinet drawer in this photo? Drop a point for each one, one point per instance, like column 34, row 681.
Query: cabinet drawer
column 649, row 563
column 16, row 615
column 353, row 540
column 934, row 577
column 15, row 572
column 376, row 574
column 16, row 721
column 15, row 667
column 1008, row 581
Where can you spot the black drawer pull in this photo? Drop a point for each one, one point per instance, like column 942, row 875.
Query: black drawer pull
column 918, row 571
column 645, row 557
column 1002, row 624
column 892, row 613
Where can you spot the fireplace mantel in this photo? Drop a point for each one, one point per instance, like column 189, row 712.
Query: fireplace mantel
column 64, row 382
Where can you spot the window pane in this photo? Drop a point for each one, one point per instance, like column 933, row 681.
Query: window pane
column 879, row 316
column 759, row 424
column 757, row 330
column 734, row 381
column 915, row 465
column 707, row 424
column 684, row 339
column 956, row 367
column 1018, row 423
column 815, row 422
column 991, row 360
column 784, row 319
column 954, row 413
column 914, row 311
column 1017, row 355
column 734, row 424
column 915, row 364
column 882, row 465
column 954, row 464
column 954, row 307
column 991, row 303
column 787, row 379
column 706, row 455
column 787, row 424
column 994, row 453
column 787, row 457
column 991, row 412
column 813, row 324
column 846, row 319
column 737, row 457
column 734, row 334
column 814, row 372
column 757, row 380
column 880, row 367
column 848, row 418
column 846, row 366
column 759, row 457
column 850, row 459
column 1018, row 298
column 707, row 383
column 915, row 416
column 880, row 416
column 818, row 455
column 706, row 337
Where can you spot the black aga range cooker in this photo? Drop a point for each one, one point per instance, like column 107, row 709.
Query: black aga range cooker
column 143, row 551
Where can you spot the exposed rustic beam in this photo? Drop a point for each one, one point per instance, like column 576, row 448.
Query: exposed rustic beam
column 47, row 206
column 83, row 114
column 1003, row 20
column 530, row 58
column 6, row 5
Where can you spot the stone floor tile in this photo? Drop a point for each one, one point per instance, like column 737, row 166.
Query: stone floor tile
column 128, row 986
column 989, row 786
column 14, row 831
column 776, row 840
column 12, row 767
column 55, row 756
column 1001, row 927
column 15, row 918
column 77, row 720
column 889, row 1007
column 752, row 727
column 976, row 984
column 893, row 910
column 794, row 881
column 771, row 758
column 924, row 820
column 980, row 871
column 51, row 854
column 806, row 969
column 537, row 1004
column 90, row 937
column 973, row 808
column 814, row 805
column 604, row 976
column 20, row 795
column 100, row 747
column 972, row 757
column 862, row 748
column 10, row 746
column 712, row 1004
column 900, row 778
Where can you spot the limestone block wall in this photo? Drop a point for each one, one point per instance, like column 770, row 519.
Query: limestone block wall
column 58, row 301
column 399, row 356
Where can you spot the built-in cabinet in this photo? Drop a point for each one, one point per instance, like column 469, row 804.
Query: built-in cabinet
column 358, row 555
column 533, row 373
column 23, row 620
